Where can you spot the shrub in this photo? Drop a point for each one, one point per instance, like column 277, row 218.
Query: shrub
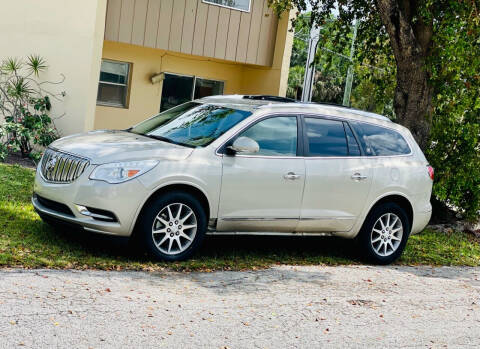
column 25, row 108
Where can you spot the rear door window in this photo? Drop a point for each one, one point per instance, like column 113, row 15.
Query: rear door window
column 353, row 147
column 325, row 137
column 381, row 141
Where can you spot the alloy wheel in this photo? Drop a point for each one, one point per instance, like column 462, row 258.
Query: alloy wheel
column 386, row 234
column 174, row 228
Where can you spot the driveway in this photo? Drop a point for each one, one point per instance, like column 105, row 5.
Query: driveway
column 282, row 307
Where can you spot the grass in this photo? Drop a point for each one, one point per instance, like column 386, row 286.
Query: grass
column 26, row 242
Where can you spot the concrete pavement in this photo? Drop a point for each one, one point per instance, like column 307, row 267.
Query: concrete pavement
column 282, row 307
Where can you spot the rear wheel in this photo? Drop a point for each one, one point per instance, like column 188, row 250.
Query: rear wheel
column 173, row 226
column 385, row 233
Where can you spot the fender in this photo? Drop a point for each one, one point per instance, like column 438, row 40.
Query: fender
column 358, row 225
column 177, row 180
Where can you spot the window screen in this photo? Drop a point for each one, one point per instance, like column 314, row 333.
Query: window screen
column 276, row 136
column 325, row 137
column 113, row 84
column 381, row 141
column 242, row 5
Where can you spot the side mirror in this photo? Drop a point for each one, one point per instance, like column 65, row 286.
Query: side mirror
column 244, row 145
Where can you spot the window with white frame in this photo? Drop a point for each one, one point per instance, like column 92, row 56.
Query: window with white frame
column 242, row 5
column 113, row 84
column 178, row 89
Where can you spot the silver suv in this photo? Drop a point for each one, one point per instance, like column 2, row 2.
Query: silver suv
column 242, row 165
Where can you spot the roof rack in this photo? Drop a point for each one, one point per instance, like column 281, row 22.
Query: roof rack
column 269, row 98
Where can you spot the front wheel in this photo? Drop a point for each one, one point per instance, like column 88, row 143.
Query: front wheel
column 173, row 226
column 385, row 233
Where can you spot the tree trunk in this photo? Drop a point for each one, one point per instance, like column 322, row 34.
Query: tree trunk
column 411, row 40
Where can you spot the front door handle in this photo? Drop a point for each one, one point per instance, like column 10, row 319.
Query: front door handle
column 358, row 177
column 291, row 176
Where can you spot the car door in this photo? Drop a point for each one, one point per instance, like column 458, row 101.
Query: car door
column 263, row 191
column 338, row 177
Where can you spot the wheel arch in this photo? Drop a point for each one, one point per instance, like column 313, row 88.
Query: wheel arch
column 171, row 187
column 398, row 199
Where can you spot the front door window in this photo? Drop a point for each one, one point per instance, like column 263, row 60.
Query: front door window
column 275, row 136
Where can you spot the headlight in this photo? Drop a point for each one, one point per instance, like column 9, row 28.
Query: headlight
column 118, row 172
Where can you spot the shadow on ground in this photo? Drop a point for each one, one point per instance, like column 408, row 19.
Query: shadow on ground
column 267, row 249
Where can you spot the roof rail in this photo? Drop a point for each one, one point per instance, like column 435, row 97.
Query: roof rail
column 332, row 104
column 269, row 98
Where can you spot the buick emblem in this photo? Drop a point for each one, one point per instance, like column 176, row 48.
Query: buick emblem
column 50, row 165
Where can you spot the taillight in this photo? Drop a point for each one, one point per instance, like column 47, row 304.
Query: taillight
column 431, row 172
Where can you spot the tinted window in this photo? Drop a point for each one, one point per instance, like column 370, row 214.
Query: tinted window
column 381, row 141
column 276, row 136
column 353, row 147
column 204, row 88
column 176, row 90
column 326, row 137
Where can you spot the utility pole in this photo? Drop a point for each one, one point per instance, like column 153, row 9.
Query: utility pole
column 310, row 67
column 349, row 81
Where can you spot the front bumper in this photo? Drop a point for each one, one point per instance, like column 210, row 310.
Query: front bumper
column 124, row 200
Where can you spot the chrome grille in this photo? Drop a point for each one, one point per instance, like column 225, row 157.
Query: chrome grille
column 59, row 167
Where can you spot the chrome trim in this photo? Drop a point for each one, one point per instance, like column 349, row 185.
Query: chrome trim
column 84, row 211
column 270, row 233
column 65, row 167
column 266, row 219
column 327, row 218
column 272, row 219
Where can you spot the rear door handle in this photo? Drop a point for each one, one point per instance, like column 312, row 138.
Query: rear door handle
column 358, row 177
column 291, row 176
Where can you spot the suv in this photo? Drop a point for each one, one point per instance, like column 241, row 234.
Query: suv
column 242, row 165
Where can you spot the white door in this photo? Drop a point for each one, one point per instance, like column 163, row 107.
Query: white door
column 338, row 178
column 263, row 191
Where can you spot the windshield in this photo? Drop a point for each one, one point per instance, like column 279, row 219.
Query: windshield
column 191, row 124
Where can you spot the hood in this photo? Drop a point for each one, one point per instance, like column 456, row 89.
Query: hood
column 111, row 146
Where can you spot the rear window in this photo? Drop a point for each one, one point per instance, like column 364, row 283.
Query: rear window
column 381, row 141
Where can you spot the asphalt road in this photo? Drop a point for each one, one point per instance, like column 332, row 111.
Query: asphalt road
column 283, row 307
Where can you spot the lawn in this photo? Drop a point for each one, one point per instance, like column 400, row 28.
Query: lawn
column 26, row 242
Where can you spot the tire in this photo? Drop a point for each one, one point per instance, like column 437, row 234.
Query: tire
column 168, row 235
column 384, row 233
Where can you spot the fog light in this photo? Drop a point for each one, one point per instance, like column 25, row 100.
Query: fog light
column 83, row 210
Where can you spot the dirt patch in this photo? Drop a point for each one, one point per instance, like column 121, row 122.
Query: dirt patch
column 442, row 214
column 17, row 159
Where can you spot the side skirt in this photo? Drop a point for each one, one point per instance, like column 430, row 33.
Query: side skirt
column 268, row 233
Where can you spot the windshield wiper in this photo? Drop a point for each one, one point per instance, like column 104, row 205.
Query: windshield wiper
column 168, row 140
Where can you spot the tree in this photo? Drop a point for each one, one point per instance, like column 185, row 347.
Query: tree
column 411, row 27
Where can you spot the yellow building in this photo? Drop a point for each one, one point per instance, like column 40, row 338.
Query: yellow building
column 125, row 60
